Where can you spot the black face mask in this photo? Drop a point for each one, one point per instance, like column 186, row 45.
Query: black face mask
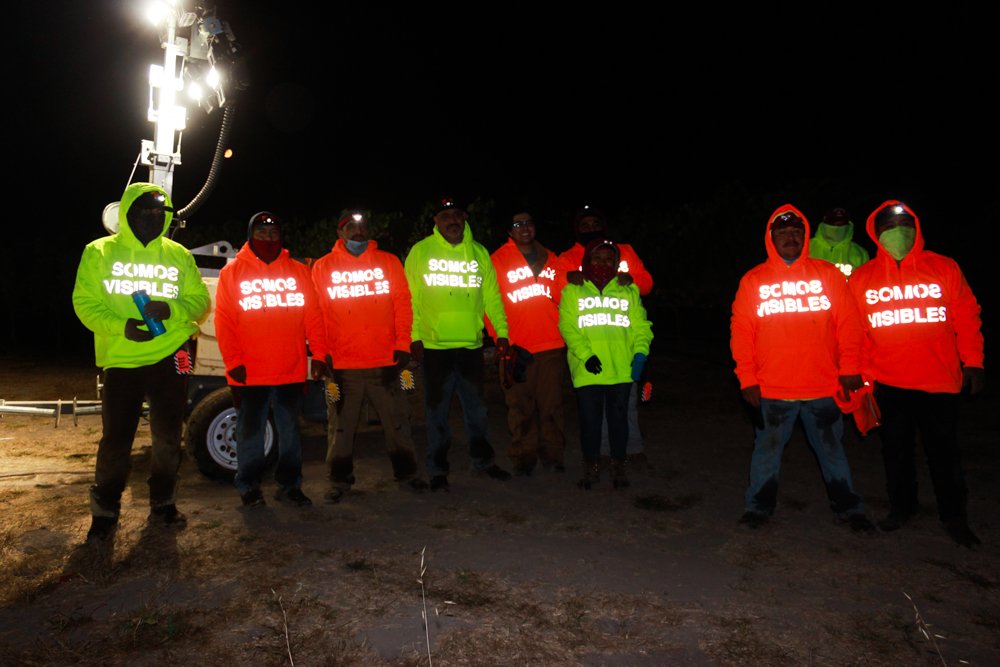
column 146, row 224
column 583, row 238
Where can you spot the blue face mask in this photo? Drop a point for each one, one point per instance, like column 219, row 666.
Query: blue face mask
column 356, row 247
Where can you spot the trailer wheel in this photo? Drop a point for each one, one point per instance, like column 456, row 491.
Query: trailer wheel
column 211, row 436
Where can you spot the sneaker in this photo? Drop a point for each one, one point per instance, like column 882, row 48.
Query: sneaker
column 101, row 528
column 168, row 515
column 253, row 498
column 440, row 483
column 293, row 497
column 892, row 522
column 753, row 520
column 497, row 473
column 962, row 534
column 860, row 524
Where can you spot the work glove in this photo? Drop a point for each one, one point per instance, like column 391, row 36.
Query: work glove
column 625, row 279
column 974, row 378
column 417, row 351
column 319, row 369
column 157, row 309
column 751, row 395
column 401, row 359
column 134, row 333
column 239, row 374
column 638, row 363
column 851, row 383
column 593, row 364
column 574, row 277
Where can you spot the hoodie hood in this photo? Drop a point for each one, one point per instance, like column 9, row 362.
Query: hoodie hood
column 918, row 242
column 772, row 252
column 132, row 193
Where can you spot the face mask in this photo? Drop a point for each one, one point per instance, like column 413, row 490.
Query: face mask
column 600, row 275
column 833, row 233
column 267, row 250
column 898, row 241
column 583, row 238
column 356, row 247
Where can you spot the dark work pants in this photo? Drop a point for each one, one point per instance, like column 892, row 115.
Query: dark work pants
column 595, row 402
column 121, row 406
column 905, row 413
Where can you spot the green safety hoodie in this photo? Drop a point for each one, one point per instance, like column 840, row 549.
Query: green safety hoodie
column 846, row 254
column 113, row 267
column 611, row 324
column 452, row 286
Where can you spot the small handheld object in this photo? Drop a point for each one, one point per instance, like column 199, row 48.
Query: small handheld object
column 141, row 298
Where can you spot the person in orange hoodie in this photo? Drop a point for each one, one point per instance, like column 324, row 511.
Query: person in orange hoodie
column 531, row 279
column 265, row 309
column 924, row 344
column 368, row 316
column 796, row 335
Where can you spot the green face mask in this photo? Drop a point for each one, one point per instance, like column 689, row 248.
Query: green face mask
column 832, row 233
column 898, row 241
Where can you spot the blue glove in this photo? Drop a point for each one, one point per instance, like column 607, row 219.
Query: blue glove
column 638, row 363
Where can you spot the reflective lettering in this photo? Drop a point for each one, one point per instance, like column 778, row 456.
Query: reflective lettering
column 889, row 318
column 903, row 293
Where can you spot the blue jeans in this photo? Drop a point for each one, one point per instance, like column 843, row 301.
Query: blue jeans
column 445, row 372
column 595, row 402
column 824, row 427
column 286, row 402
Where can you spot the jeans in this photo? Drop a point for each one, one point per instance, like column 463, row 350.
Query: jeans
column 594, row 402
column 535, row 412
column 285, row 401
column 121, row 406
column 824, row 427
column 380, row 386
column 446, row 372
column 935, row 416
column 634, row 445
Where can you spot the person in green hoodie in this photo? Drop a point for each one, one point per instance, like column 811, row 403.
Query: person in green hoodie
column 141, row 361
column 834, row 242
column 607, row 338
column 453, row 284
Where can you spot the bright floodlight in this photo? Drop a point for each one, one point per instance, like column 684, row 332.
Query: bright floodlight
column 195, row 91
column 212, row 78
column 157, row 13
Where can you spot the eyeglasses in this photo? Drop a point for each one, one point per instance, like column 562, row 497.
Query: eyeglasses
column 517, row 224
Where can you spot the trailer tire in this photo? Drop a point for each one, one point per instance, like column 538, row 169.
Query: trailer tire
column 211, row 436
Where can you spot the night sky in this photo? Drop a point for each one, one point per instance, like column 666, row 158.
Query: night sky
column 633, row 110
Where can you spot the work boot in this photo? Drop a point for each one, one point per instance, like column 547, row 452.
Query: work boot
column 440, row 483
column 253, row 498
column 860, row 524
column 168, row 515
column 591, row 475
column 962, row 534
column 101, row 528
column 753, row 520
column 293, row 497
column 619, row 479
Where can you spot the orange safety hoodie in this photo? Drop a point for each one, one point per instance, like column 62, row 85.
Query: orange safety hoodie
column 263, row 315
column 922, row 319
column 366, row 306
column 531, row 302
column 795, row 327
column 630, row 264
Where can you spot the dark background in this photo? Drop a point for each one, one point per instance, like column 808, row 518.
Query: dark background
column 688, row 126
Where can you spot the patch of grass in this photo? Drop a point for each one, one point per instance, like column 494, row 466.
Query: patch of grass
column 744, row 644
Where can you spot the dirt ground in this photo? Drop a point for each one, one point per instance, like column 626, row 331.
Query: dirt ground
column 529, row 572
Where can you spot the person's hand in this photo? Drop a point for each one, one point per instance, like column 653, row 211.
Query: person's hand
column 239, row 374
column 319, row 369
column 625, row 279
column 974, row 378
column 593, row 364
column 751, row 395
column 574, row 277
column 134, row 333
column 157, row 309
column 851, row 383
column 402, row 359
column 417, row 351
column 638, row 363
column 503, row 348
